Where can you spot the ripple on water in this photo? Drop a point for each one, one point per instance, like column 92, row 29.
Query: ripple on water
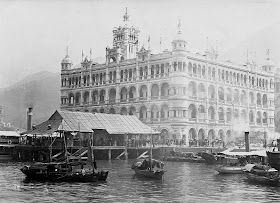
column 183, row 182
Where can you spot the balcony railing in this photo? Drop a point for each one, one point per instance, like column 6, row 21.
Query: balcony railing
column 154, row 119
column 221, row 121
column 163, row 119
column 164, row 97
column 201, row 120
column 143, row 119
column 192, row 119
column 112, row 101
column 142, row 98
column 132, row 99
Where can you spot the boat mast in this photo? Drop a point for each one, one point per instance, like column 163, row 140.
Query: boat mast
column 151, row 143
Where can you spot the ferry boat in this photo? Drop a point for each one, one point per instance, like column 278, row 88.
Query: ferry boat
column 8, row 141
column 273, row 159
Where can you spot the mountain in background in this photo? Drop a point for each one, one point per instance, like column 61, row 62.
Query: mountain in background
column 40, row 90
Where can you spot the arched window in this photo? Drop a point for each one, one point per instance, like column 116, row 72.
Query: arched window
column 259, row 99
column 192, row 111
column 221, row 93
column 211, row 92
column 251, row 117
column 201, row 90
column 211, row 113
column 265, row 100
column 229, row 115
column 192, row 89
column 201, row 112
column 229, row 96
column 259, row 117
column 221, row 113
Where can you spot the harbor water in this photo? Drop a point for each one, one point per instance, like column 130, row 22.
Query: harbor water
column 183, row 182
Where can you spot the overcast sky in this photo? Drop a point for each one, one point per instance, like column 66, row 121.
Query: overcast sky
column 34, row 34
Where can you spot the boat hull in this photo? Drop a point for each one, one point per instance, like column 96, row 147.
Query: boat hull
column 149, row 173
column 230, row 170
column 35, row 174
column 102, row 175
column 183, row 159
column 262, row 179
column 273, row 159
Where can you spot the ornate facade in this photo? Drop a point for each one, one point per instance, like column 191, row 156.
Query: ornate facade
column 184, row 95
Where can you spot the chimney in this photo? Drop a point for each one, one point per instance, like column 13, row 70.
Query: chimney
column 29, row 118
column 265, row 137
column 247, row 142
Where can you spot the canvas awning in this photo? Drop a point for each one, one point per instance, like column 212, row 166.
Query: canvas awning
column 9, row 133
column 251, row 153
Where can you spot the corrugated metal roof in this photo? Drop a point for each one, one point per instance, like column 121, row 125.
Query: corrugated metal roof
column 44, row 129
column 88, row 122
column 112, row 123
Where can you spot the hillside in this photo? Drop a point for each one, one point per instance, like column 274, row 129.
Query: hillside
column 40, row 90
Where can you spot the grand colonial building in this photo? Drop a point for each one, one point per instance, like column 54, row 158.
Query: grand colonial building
column 184, row 95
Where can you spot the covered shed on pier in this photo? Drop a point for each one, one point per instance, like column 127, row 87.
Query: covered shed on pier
column 101, row 129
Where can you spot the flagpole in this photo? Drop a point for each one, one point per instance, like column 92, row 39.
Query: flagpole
column 90, row 53
column 160, row 45
column 149, row 39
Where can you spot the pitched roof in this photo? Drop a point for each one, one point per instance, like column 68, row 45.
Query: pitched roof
column 88, row 122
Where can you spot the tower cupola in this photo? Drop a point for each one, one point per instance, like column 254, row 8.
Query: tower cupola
column 269, row 64
column 178, row 43
column 125, row 40
column 66, row 63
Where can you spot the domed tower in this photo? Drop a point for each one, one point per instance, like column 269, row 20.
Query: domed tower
column 268, row 65
column 125, row 41
column 66, row 63
column 179, row 44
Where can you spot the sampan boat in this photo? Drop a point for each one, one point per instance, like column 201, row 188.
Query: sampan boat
column 261, row 174
column 63, row 172
column 150, row 168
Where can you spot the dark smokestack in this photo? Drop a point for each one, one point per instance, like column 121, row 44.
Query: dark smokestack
column 247, row 142
column 278, row 144
column 29, row 118
column 265, row 137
